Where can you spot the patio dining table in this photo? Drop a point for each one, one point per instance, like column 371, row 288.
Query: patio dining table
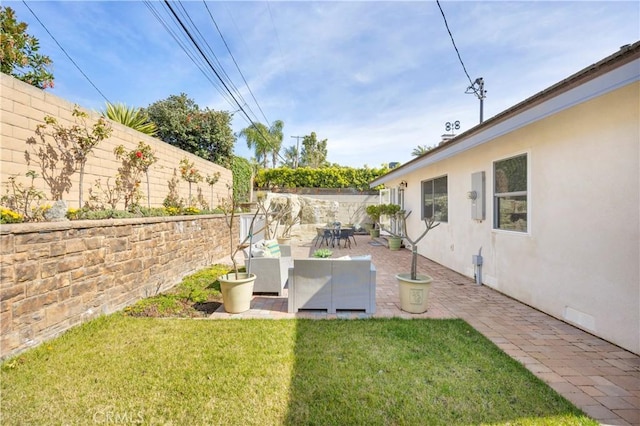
column 331, row 234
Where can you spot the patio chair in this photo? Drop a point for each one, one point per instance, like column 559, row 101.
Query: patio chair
column 318, row 238
column 325, row 235
column 343, row 235
column 352, row 234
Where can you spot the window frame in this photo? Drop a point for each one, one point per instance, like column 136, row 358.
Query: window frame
column 505, row 195
column 432, row 182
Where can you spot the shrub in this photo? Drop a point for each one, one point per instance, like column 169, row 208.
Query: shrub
column 9, row 216
column 24, row 200
column 322, row 253
column 326, row 177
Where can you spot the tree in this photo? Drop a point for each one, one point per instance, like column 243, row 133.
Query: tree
column 203, row 132
column 134, row 163
column 19, row 57
column 132, row 117
column 291, row 156
column 256, row 137
column 276, row 140
column 421, row 149
column 314, row 152
column 265, row 141
column 70, row 151
column 189, row 173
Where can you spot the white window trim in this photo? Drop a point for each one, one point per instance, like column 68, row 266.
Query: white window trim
column 492, row 204
column 422, row 181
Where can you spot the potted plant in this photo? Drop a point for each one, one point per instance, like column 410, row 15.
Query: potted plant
column 374, row 211
column 414, row 287
column 322, row 253
column 236, row 286
column 395, row 214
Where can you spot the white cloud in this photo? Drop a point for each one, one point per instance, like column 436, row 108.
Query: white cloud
column 375, row 78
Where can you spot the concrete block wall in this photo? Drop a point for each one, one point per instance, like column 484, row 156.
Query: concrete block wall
column 56, row 275
column 23, row 107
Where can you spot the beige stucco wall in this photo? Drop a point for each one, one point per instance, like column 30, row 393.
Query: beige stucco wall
column 23, row 107
column 579, row 260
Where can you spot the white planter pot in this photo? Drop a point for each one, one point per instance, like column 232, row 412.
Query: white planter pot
column 237, row 292
column 414, row 294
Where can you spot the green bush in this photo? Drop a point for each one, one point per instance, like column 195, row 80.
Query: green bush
column 322, row 253
column 242, row 171
column 92, row 214
column 327, row 177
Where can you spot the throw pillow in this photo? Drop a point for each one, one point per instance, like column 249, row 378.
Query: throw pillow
column 272, row 247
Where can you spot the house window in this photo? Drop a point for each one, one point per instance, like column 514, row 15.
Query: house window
column 435, row 201
column 510, row 194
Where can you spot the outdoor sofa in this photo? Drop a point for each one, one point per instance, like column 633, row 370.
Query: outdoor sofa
column 332, row 284
column 270, row 264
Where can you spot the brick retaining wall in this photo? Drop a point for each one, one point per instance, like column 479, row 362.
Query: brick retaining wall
column 57, row 275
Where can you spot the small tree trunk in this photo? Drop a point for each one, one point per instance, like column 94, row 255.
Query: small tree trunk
column 146, row 172
column 80, row 185
column 414, row 262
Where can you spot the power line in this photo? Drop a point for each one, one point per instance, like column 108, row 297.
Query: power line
column 193, row 41
column 65, row 52
column 453, row 41
column 217, row 74
column 183, row 45
column 472, row 89
column 235, row 62
column 215, row 57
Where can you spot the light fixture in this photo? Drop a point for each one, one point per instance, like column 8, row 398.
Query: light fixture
column 403, row 184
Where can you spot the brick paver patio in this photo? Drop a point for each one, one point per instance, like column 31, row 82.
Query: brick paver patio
column 600, row 378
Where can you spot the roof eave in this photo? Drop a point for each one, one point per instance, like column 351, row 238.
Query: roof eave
column 626, row 54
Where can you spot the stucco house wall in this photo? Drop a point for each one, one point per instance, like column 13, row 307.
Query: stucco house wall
column 579, row 258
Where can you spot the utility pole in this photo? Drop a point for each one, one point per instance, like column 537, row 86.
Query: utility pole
column 477, row 88
column 297, row 159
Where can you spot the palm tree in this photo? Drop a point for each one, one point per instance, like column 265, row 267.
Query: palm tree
column 130, row 117
column 264, row 141
column 256, row 136
column 420, row 149
column 291, row 155
column 275, row 133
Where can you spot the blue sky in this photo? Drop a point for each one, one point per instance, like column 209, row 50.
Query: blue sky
column 376, row 79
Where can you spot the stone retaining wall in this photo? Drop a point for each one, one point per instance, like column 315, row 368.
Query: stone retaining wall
column 57, row 275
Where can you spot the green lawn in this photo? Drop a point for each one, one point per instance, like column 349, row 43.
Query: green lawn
column 121, row 369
